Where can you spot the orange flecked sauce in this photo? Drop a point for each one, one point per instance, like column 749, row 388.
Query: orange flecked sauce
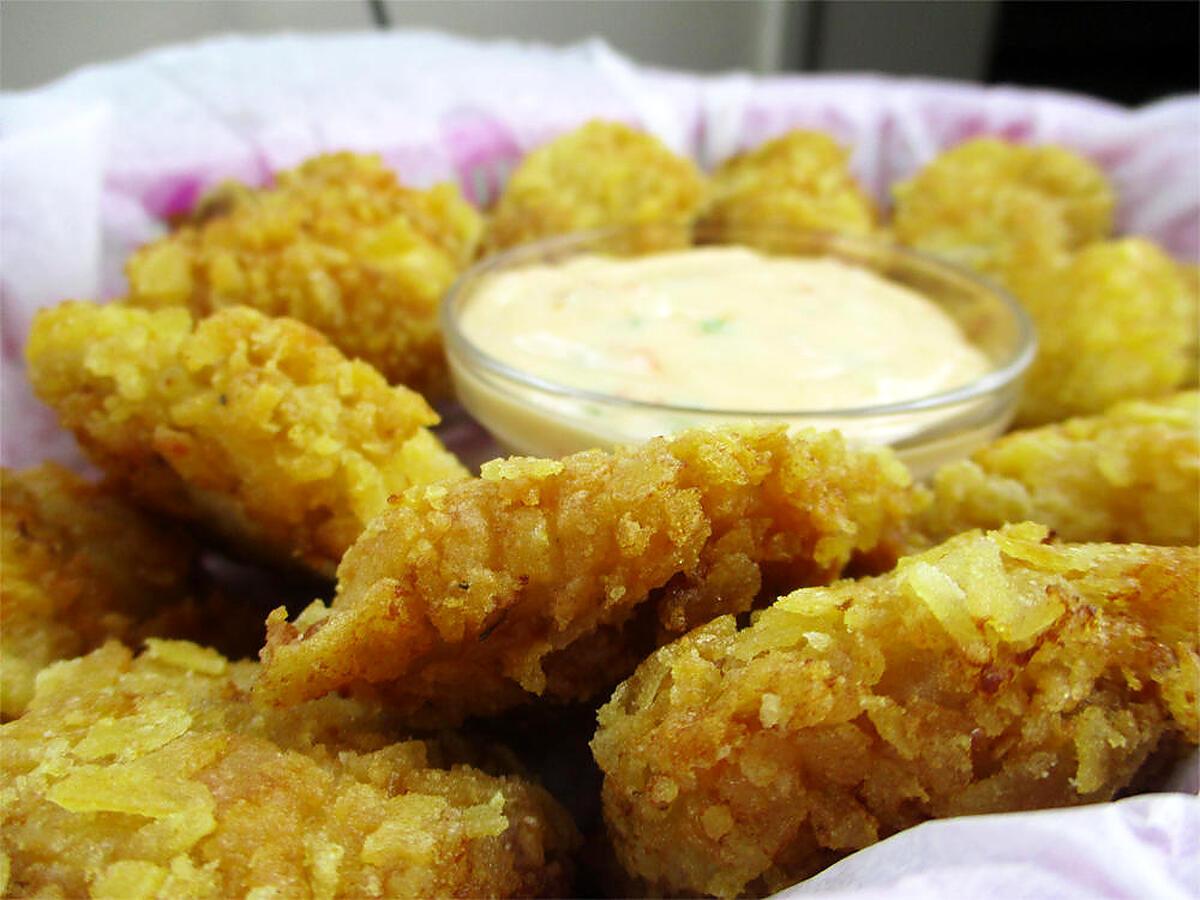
column 723, row 328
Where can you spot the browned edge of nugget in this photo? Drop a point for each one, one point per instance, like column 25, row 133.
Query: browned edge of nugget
column 991, row 673
column 470, row 598
column 157, row 776
column 1129, row 475
column 255, row 428
column 79, row 565
column 338, row 243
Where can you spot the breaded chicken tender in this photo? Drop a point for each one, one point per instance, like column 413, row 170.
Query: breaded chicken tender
column 992, row 673
column 800, row 180
column 158, row 777
column 255, row 427
column 552, row 578
column 993, row 206
column 601, row 175
column 1113, row 324
column 1131, row 475
column 79, row 565
column 337, row 243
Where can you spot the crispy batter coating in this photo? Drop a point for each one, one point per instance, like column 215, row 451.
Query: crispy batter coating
column 539, row 577
column 337, row 243
column 1131, row 475
column 1190, row 276
column 1113, row 324
column 989, row 674
column 255, row 427
column 81, row 566
column 993, row 206
column 1115, row 320
column 600, row 175
column 799, row 180
column 158, row 777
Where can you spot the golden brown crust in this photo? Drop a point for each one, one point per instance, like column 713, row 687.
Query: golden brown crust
column 799, row 180
column 991, row 673
column 157, row 776
column 1130, row 475
column 77, row 566
column 457, row 599
column 1189, row 275
column 255, row 427
column 337, row 243
column 1114, row 318
column 993, row 206
column 1113, row 323
column 601, row 175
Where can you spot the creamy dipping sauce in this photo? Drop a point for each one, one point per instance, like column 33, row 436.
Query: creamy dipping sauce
column 722, row 328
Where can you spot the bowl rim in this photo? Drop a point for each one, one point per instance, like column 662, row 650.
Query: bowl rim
column 1007, row 371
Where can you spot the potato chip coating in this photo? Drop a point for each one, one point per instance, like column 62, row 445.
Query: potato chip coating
column 539, row 577
column 989, row 674
column 79, row 565
column 601, row 175
column 1113, row 324
column 158, row 777
column 799, row 180
column 255, row 427
column 993, row 206
column 337, row 243
column 1131, row 475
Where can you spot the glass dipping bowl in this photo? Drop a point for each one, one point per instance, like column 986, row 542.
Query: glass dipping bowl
column 530, row 415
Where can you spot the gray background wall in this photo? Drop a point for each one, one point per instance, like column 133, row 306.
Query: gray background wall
column 41, row 40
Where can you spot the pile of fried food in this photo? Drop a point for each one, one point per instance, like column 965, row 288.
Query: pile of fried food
column 795, row 650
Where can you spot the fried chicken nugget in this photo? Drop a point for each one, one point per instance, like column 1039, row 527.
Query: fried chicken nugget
column 1113, row 324
column 600, row 175
column 992, row 673
column 255, row 427
column 993, row 206
column 799, row 180
column 80, row 566
column 546, row 577
column 337, row 243
column 1131, row 475
column 158, row 777
column 1190, row 276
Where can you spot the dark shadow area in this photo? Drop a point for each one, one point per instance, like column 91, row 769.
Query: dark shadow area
column 1130, row 53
